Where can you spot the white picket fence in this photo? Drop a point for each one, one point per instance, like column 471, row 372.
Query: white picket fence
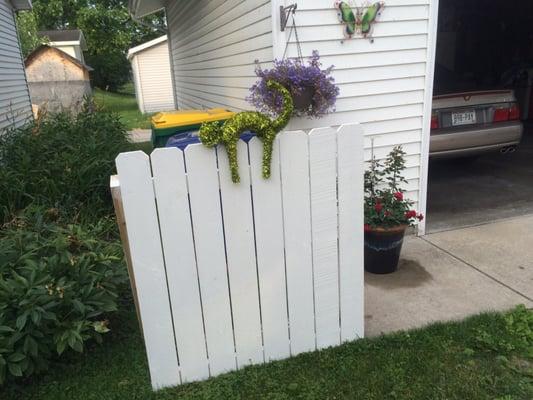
column 228, row 274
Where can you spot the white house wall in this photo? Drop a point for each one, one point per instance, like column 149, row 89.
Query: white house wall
column 153, row 79
column 15, row 106
column 213, row 48
column 385, row 84
column 382, row 83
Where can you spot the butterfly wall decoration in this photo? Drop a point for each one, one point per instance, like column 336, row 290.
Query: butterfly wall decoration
column 360, row 21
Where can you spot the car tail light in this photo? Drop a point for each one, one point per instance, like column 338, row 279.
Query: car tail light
column 434, row 121
column 514, row 113
column 501, row 115
column 506, row 114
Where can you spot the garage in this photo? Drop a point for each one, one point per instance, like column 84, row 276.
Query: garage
column 481, row 146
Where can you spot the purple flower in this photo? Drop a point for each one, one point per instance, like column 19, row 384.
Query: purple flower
column 297, row 77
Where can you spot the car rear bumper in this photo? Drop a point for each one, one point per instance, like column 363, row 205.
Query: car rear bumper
column 480, row 139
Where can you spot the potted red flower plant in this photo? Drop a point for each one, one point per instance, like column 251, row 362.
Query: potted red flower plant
column 387, row 213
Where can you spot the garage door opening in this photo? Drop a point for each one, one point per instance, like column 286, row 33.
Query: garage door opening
column 481, row 149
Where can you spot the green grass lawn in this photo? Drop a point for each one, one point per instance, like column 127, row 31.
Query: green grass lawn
column 481, row 358
column 125, row 104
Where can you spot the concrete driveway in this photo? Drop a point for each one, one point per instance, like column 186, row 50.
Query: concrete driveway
column 451, row 275
column 464, row 192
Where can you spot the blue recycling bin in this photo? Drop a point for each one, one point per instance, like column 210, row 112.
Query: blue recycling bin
column 183, row 139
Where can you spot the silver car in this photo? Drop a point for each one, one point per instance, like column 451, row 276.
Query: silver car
column 469, row 123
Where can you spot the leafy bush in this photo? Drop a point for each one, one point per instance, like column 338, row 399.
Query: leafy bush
column 62, row 161
column 57, row 282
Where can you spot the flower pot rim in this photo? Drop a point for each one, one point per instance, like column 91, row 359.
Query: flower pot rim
column 391, row 230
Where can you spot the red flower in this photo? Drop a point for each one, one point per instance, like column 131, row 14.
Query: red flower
column 398, row 196
column 387, row 213
column 410, row 214
column 367, row 228
column 378, row 207
column 420, row 217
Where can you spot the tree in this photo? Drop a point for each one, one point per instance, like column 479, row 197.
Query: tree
column 107, row 27
column 27, row 32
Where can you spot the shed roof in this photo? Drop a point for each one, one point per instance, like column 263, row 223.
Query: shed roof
column 21, row 4
column 140, row 8
column 75, row 36
column 146, row 46
column 44, row 47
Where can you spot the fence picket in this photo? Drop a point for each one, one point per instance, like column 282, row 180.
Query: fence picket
column 140, row 212
column 170, row 186
column 294, row 161
column 323, row 174
column 240, row 250
column 210, row 255
column 268, row 221
column 351, row 274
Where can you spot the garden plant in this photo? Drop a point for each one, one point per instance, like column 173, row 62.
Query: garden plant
column 388, row 212
column 313, row 89
column 61, row 263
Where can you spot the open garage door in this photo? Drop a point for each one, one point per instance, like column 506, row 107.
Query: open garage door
column 481, row 147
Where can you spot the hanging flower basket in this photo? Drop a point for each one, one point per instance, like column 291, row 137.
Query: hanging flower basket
column 313, row 89
column 303, row 100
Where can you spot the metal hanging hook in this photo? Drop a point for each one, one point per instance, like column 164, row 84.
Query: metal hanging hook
column 284, row 13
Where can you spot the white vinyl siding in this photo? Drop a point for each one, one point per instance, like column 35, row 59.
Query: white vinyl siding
column 382, row 82
column 153, row 81
column 214, row 45
column 385, row 83
column 15, row 106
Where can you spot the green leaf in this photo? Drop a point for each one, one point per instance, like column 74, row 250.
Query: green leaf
column 21, row 321
column 61, row 345
column 15, row 369
column 78, row 306
column 4, row 328
column 31, row 346
column 36, row 317
column 78, row 346
column 16, row 357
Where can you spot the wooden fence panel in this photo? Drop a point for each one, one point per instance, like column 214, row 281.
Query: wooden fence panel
column 170, row 184
column 268, row 220
column 228, row 274
column 240, row 250
column 208, row 231
column 294, row 161
column 323, row 175
column 142, row 225
column 351, row 274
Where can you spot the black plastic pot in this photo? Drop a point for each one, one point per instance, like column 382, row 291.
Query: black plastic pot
column 303, row 100
column 382, row 249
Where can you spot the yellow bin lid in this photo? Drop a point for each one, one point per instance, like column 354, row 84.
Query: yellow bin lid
column 189, row 117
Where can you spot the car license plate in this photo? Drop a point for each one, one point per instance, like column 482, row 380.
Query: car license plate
column 464, row 118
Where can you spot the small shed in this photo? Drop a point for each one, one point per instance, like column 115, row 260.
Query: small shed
column 15, row 106
column 150, row 63
column 71, row 41
column 57, row 80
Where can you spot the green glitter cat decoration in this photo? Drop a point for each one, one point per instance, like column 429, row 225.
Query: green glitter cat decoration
column 266, row 129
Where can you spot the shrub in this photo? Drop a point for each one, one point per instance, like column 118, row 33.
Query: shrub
column 62, row 161
column 57, row 284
